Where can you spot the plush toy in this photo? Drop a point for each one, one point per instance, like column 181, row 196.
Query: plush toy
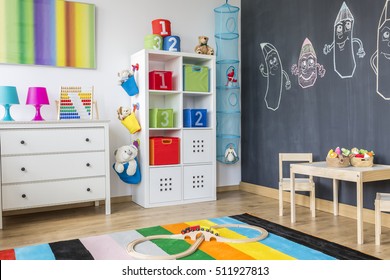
column 203, row 48
column 123, row 112
column 124, row 75
column 123, row 155
column 230, row 155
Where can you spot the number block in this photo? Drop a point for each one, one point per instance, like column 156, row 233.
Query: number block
column 172, row 43
column 160, row 118
column 160, row 80
column 161, row 27
column 195, row 117
column 196, row 78
column 153, row 42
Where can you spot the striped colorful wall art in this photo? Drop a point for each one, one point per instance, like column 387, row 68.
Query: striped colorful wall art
column 47, row 32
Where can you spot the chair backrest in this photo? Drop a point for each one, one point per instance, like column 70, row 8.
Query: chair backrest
column 291, row 157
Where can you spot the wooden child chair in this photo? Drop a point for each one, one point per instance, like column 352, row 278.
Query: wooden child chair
column 382, row 204
column 301, row 184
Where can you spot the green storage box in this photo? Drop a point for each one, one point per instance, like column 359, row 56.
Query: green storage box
column 160, row 118
column 196, row 78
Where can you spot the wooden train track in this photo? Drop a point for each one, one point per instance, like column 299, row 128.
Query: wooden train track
column 199, row 236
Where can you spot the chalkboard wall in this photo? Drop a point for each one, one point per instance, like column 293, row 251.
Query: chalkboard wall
column 339, row 105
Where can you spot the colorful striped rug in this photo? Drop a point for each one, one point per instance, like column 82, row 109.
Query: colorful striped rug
column 282, row 243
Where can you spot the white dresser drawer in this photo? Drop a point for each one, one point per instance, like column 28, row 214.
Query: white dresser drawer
column 29, row 168
column 53, row 140
column 29, row 195
column 197, row 146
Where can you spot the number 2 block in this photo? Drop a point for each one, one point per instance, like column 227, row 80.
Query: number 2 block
column 172, row 43
column 195, row 117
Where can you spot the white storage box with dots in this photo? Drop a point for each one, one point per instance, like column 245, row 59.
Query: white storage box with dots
column 165, row 184
column 198, row 181
column 197, row 146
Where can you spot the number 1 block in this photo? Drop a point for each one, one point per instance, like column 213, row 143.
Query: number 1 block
column 160, row 80
column 161, row 27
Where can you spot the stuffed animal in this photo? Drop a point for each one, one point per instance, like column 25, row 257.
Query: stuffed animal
column 203, row 48
column 123, row 155
column 230, row 154
column 123, row 112
column 124, row 75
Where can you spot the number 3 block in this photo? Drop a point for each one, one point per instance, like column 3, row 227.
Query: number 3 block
column 195, row 117
column 160, row 118
column 160, row 80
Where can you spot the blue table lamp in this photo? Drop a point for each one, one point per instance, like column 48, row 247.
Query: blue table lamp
column 8, row 97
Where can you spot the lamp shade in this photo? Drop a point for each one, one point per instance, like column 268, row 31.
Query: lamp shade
column 37, row 96
column 8, row 95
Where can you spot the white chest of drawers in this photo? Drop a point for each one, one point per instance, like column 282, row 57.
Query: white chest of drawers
column 53, row 163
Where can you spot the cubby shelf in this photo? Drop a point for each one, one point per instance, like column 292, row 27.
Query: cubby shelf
column 193, row 179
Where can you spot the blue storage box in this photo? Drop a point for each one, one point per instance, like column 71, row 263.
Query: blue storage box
column 195, row 117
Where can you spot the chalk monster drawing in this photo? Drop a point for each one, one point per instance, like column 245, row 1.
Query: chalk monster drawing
column 342, row 45
column 380, row 60
column 307, row 67
column 274, row 74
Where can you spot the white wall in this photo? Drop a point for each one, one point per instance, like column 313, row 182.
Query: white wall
column 120, row 29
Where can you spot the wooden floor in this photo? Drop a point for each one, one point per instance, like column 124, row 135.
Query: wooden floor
column 58, row 225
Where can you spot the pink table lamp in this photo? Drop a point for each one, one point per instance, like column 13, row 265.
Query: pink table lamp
column 37, row 96
column 8, row 97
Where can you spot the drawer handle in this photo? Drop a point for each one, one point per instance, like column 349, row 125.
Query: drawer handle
column 88, row 189
column 23, row 169
column 88, row 164
column 22, row 142
column 24, row 196
column 87, row 140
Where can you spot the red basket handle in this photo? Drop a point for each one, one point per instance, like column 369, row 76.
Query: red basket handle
column 166, row 141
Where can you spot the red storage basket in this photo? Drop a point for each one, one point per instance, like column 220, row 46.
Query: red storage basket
column 164, row 150
column 160, row 80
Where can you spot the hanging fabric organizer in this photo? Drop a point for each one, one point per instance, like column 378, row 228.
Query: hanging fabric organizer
column 228, row 88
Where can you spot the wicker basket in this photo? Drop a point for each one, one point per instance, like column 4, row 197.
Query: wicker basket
column 338, row 162
column 362, row 162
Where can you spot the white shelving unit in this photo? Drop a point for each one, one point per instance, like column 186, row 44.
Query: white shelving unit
column 194, row 178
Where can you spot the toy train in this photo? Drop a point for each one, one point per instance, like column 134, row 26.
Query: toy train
column 200, row 228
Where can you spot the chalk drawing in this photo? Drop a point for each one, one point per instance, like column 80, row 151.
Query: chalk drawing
column 275, row 74
column 307, row 67
column 380, row 60
column 343, row 53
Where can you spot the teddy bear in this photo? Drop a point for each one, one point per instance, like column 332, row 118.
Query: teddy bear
column 123, row 155
column 124, row 75
column 123, row 112
column 203, row 48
